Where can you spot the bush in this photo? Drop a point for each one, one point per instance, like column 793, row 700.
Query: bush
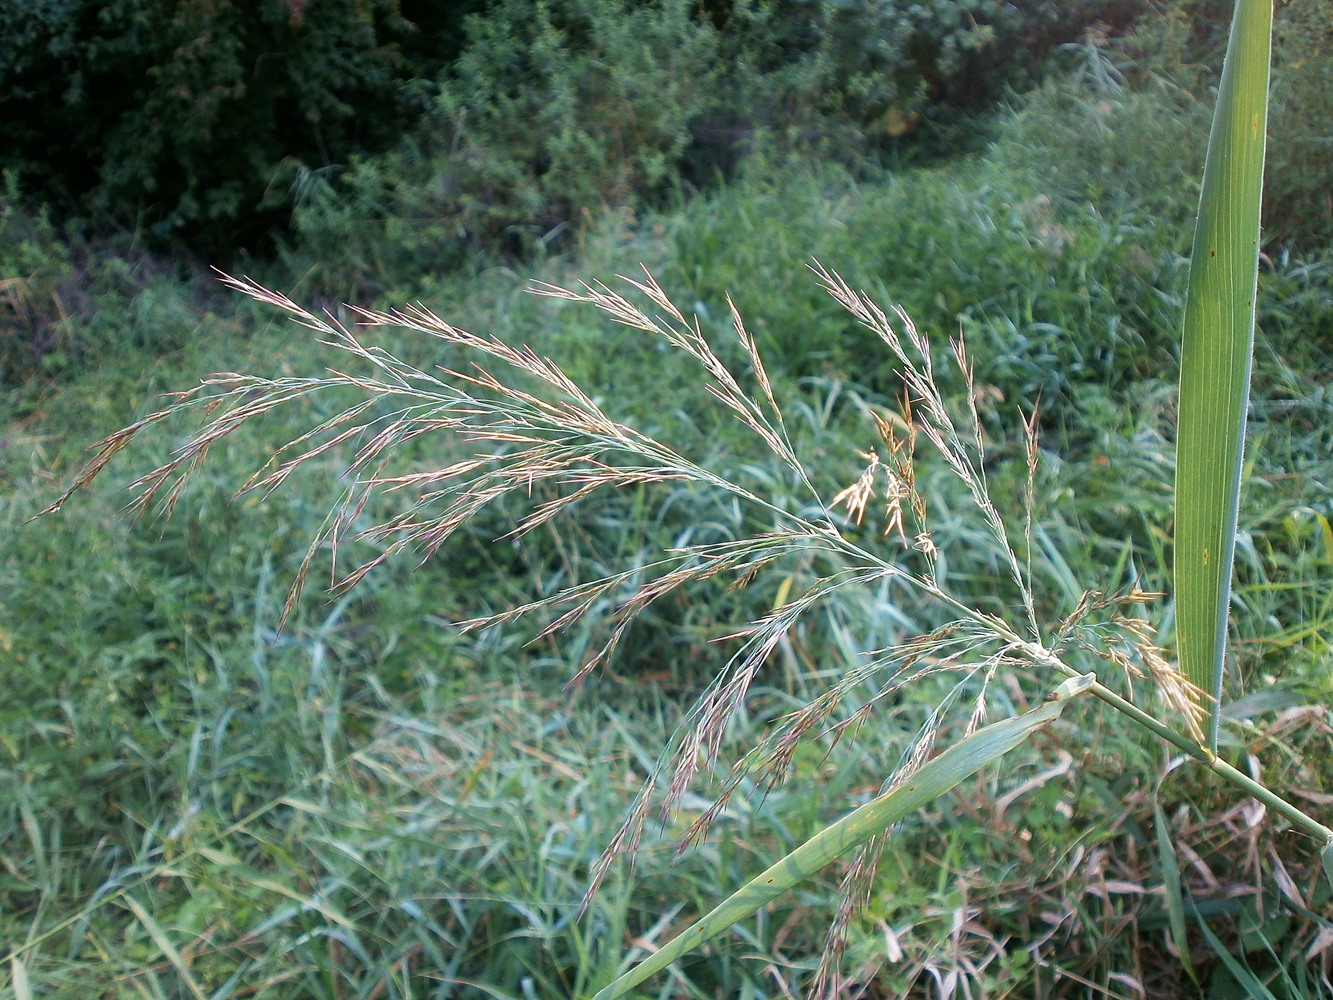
column 182, row 112
column 68, row 301
column 38, row 277
column 551, row 113
column 882, row 63
column 554, row 113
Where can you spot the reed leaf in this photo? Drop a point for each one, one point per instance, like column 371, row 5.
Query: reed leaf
column 1216, row 349
column 932, row 780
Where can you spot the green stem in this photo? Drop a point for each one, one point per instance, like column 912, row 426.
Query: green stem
column 1192, row 748
column 1216, row 764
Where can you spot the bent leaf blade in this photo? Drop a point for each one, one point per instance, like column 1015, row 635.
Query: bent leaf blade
column 924, row 786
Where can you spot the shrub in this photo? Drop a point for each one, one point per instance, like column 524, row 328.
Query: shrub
column 554, row 113
column 182, row 112
column 882, row 66
column 38, row 277
column 68, row 301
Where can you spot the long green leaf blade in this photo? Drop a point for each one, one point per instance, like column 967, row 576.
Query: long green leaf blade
column 1175, row 900
column 1217, row 344
column 924, row 786
column 1241, row 973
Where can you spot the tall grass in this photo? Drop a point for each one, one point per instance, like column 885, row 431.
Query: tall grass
column 987, row 573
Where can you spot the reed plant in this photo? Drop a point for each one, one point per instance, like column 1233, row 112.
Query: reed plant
column 526, row 434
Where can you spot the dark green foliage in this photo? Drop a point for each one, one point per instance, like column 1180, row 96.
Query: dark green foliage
column 69, row 303
column 202, row 121
column 552, row 113
column 885, row 60
column 196, row 117
column 182, row 113
column 556, row 112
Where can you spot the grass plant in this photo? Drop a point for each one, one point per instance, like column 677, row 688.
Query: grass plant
column 438, row 803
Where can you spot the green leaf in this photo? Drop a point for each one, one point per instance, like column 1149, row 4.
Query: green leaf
column 924, row 786
column 1175, row 902
column 1217, row 344
column 164, row 944
column 1249, row 983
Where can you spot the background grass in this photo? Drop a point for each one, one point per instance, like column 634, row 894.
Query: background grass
column 370, row 805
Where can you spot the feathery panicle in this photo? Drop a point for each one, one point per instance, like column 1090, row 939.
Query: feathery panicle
column 963, row 453
column 527, row 431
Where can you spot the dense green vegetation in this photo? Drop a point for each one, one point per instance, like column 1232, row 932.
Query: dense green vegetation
column 207, row 117
column 369, row 804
